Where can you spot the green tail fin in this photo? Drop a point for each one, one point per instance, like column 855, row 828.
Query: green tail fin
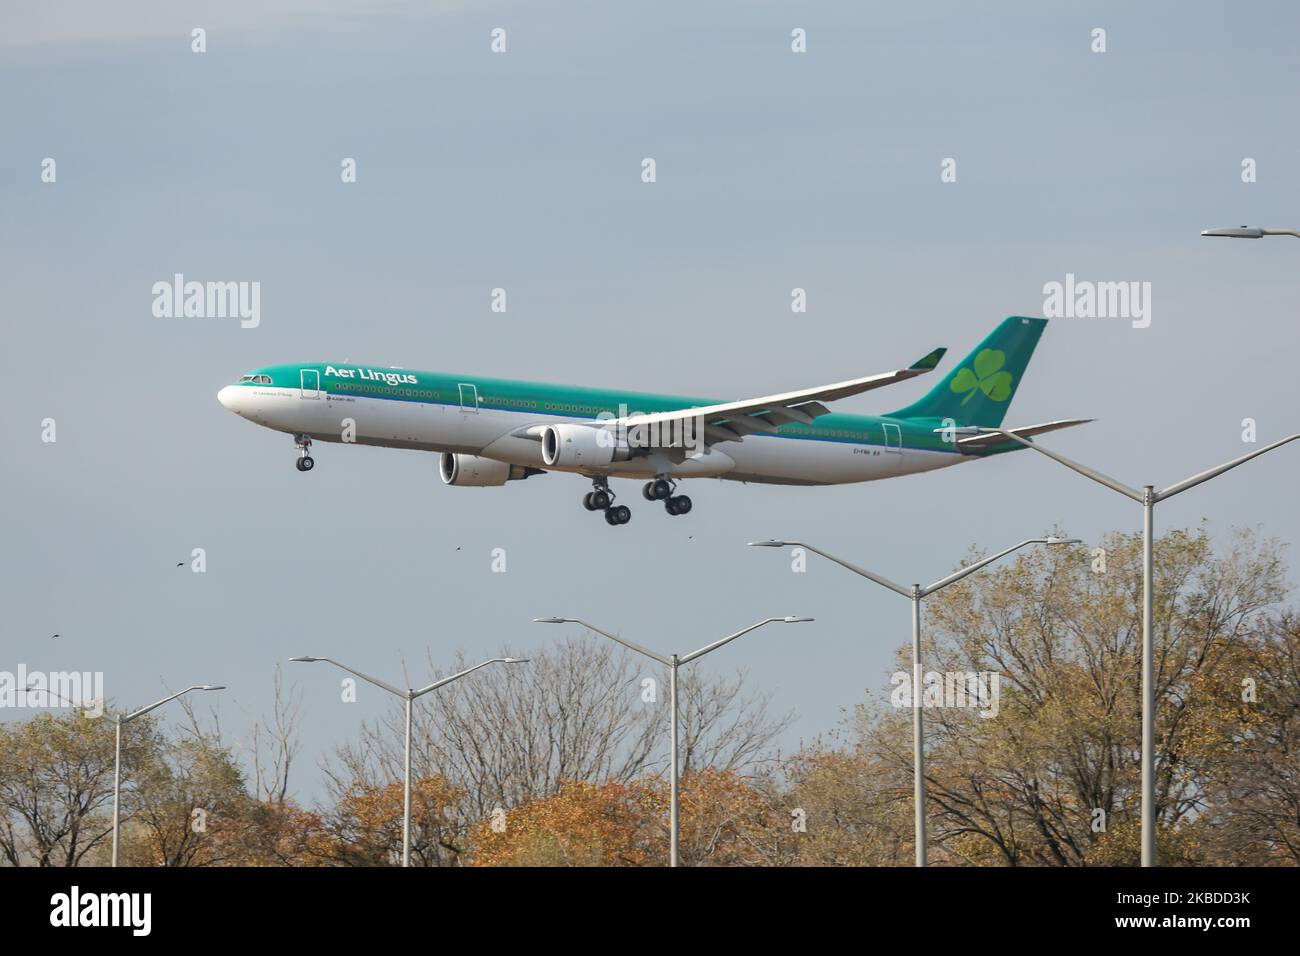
column 979, row 389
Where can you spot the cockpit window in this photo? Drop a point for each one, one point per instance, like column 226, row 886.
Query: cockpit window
column 246, row 378
column 255, row 379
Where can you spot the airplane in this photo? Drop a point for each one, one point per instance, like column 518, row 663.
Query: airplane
column 491, row 431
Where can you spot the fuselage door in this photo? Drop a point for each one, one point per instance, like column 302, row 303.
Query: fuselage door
column 468, row 398
column 310, row 380
column 893, row 438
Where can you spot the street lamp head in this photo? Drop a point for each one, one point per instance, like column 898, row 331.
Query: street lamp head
column 770, row 543
column 551, row 620
column 791, row 619
column 1053, row 541
column 1235, row 232
column 304, row 660
column 512, row 660
column 212, row 687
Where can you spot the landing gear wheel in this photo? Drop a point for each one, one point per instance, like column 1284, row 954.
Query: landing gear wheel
column 645, row 491
column 677, row 505
column 660, row 489
column 303, row 444
column 619, row 514
column 600, row 498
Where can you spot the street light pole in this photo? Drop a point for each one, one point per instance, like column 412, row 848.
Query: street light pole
column 117, row 751
column 674, row 798
column 408, row 697
column 918, row 748
column 915, row 593
column 406, row 784
column 1148, row 497
column 1148, row 678
column 672, row 662
column 117, row 780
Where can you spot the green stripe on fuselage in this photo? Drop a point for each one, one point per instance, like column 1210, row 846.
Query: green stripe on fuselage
column 575, row 401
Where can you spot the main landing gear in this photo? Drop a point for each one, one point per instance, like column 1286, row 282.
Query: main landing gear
column 661, row 489
column 305, row 461
column 600, row 498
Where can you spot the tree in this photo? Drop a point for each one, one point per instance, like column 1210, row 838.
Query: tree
column 855, row 807
column 577, row 711
column 725, row 822
column 185, row 799
column 581, row 824
column 1253, row 793
column 56, row 785
column 1053, row 777
column 364, row 828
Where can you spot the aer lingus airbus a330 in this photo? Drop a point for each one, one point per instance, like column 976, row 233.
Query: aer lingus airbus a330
column 490, row 431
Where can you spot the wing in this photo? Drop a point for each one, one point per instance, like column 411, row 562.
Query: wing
column 732, row 421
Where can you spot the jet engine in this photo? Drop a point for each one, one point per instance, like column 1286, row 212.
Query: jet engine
column 581, row 446
column 471, row 471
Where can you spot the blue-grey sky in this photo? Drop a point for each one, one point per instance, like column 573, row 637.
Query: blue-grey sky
column 477, row 170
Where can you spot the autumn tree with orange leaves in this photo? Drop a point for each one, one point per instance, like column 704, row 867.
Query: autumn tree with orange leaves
column 725, row 821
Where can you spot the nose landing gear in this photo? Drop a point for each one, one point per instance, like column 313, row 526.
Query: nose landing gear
column 305, row 461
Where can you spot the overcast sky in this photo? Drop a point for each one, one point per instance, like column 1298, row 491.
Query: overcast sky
column 478, row 170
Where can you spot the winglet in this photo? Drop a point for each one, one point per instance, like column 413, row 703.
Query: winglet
column 927, row 362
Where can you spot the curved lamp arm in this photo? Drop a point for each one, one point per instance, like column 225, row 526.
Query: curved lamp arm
column 789, row 619
column 365, row 677
column 1097, row 476
column 469, row 670
column 144, row 710
column 613, row 637
column 1215, row 472
column 869, row 575
column 982, row 562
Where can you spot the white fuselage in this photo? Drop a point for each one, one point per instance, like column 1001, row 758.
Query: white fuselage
column 487, row 432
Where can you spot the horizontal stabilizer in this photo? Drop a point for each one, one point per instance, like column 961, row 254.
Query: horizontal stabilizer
column 977, row 442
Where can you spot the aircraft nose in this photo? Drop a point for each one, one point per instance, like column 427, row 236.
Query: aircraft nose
column 227, row 397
